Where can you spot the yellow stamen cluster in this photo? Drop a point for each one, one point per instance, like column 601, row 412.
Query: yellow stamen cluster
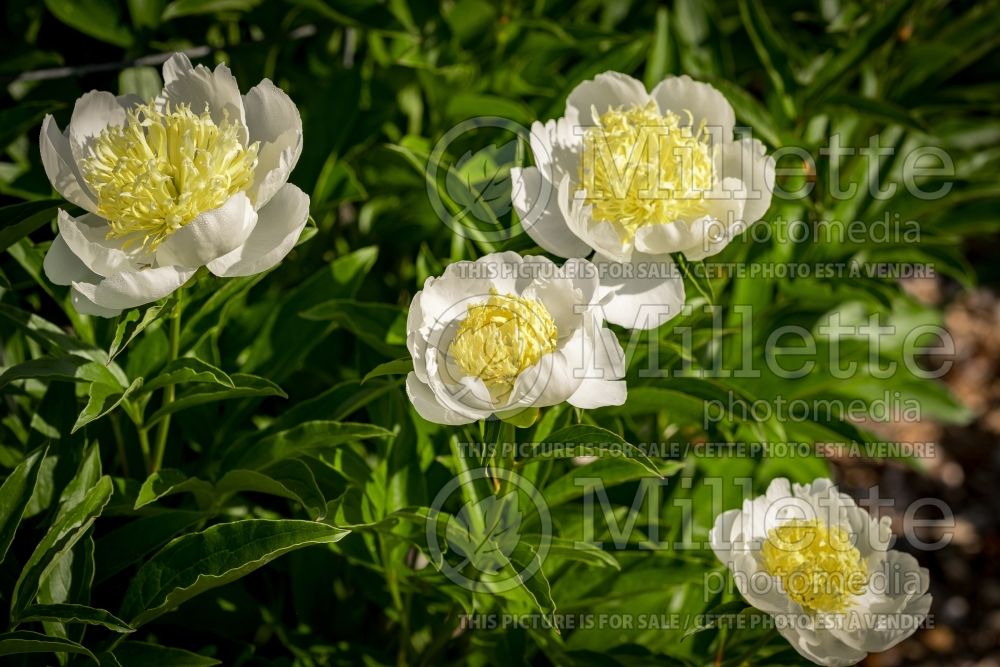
column 818, row 566
column 501, row 338
column 162, row 168
column 640, row 167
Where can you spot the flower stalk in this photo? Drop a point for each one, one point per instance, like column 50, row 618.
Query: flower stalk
column 169, row 392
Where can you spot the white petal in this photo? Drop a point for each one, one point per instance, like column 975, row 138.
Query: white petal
column 92, row 113
column 274, row 121
column 204, row 89
column 720, row 536
column 602, row 385
column 535, row 200
column 603, row 92
column 211, row 235
column 275, row 162
column 724, row 223
column 661, row 238
column 85, row 306
column 278, row 227
column 682, row 93
column 428, row 407
column 600, row 235
column 177, row 66
column 553, row 379
column 556, row 146
column 134, row 288
column 598, row 394
column 644, row 293
column 747, row 160
column 86, row 236
column 60, row 166
column 820, row 647
column 62, row 267
column 585, row 277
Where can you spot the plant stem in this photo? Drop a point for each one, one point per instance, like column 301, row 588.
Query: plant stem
column 144, row 444
column 120, row 443
column 499, row 437
column 169, row 390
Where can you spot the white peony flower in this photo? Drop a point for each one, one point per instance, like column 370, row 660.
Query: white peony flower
column 195, row 177
column 821, row 565
column 505, row 333
column 634, row 176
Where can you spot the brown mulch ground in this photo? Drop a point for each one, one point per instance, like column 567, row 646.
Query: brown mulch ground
column 964, row 472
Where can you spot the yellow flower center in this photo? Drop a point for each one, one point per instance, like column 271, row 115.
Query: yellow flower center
column 818, row 567
column 159, row 170
column 501, row 338
column 641, row 167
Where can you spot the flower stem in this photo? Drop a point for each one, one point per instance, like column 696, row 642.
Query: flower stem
column 500, row 437
column 169, row 390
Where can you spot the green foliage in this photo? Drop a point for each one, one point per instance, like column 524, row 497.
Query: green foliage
column 147, row 531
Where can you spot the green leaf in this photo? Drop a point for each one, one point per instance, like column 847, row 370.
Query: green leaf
column 303, row 439
column 19, row 220
column 74, row 613
column 167, row 482
column 179, row 8
column 289, row 478
column 714, row 617
column 144, row 82
column 527, row 569
column 103, row 398
column 145, row 14
column 243, row 386
column 586, row 440
column 659, row 62
column 606, row 472
column 381, row 325
column 486, row 532
column 131, row 317
column 395, row 367
column 880, row 110
column 197, row 562
column 135, row 539
column 583, row 552
column 25, row 641
column 71, row 368
column 69, row 527
column 17, row 120
column 97, row 18
column 751, row 112
column 885, row 22
column 188, row 370
column 15, row 494
column 772, row 50
column 141, row 654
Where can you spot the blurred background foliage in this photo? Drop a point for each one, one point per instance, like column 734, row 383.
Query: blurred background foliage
column 276, row 387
